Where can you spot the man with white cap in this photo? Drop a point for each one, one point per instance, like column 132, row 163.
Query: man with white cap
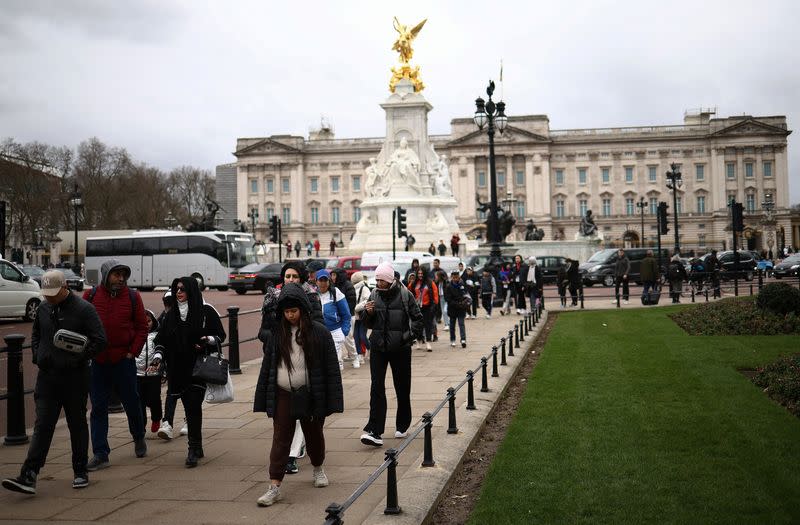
column 122, row 312
column 534, row 284
column 66, row 334
column 396, row 322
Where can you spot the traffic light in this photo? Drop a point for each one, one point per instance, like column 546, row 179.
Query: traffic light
column 663, row 223
column 401, row 222
column 738, row 216
column 274, row 229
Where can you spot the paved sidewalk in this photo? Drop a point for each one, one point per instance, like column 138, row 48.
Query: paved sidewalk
column 224, row 488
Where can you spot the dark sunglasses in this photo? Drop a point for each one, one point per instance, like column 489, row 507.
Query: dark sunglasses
column 180, row 289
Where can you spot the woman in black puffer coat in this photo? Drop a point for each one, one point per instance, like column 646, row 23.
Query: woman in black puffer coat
column 298, row 353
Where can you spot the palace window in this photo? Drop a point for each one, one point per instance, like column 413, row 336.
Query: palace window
column 750, row 202
column 520, row 209
column 701, row 204
column 501, row 178
column 270, row 185
column 768, row 169
column 559, row 208
column 481, row 179
column 748, row 170
column 559, row 177
column 335, row 184
column 335, row 215
column 581, row 175
column 314, row 215
column 287, row 216
column 730, row 170
column 651, row 174
column 629, row 206
column 356, row 214
column 700, row 172
column 270, row 213
column 253, row 186
column 678, row 205
column 314, row 184
column 357, row 183
column 606, row 174
column 606, row 207
column 583, row 205
column 653, row 205
column 628, row 173
column 520, row 178
column 285, row 185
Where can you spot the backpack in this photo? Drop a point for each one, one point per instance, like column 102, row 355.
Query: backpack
column 697, row 266
column 674, row 271
column 131, row 294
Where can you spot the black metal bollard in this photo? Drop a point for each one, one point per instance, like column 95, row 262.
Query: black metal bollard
column 516, row 342
column 451, row 411
column 484, row 379
column 533, row 320
column 581, row 292
column 523, row 334
column 503, row 350
column 706, row 290
column 760, row 280
column 233, row 339
column 392, row 505
column 334, row 514
column 15, row 403
column 427, row 460
column 494, row 362
column 471, row 391
column 751, row 288
column 692, row 293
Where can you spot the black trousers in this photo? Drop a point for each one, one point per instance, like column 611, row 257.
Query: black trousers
column 428, row 318
column 150, row 396
column 625, row 290
column 57, row 389
column 192, row 398
column 400, row 361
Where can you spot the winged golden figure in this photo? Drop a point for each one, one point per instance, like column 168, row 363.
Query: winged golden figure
column 405, row 38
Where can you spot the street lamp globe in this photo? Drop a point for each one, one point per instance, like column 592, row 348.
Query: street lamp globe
column 501, row 120
column 480, row 113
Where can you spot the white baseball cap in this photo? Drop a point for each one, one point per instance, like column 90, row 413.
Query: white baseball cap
column 52, row 282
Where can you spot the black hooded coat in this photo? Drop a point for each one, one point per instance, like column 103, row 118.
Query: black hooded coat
column 325, row 379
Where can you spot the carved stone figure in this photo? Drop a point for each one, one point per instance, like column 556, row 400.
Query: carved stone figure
column 368, row 220
column 505, row 219
column 532, row 233
column 373, row 178
column 403, row 168
column 442, row 183
column 206, row 221
column 588, row 228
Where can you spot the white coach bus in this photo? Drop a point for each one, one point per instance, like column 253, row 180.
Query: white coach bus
column 156, row 257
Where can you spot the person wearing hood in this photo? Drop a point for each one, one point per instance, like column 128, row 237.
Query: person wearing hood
column 299, row 380
column 458, row 304
column 360, row 339
column 335, row 311
column 292, row 272
column 122, row 312
column 395, row 319
column 191, row 328
column 534, row 283
column 148, row 375
column 62, row 380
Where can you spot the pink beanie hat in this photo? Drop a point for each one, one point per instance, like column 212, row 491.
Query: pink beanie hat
column 385, row 272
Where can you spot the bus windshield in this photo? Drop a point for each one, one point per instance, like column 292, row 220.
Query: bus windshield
column 240, row 253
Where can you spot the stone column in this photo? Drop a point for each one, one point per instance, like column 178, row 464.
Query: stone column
column 781, row 176
column 716, row 180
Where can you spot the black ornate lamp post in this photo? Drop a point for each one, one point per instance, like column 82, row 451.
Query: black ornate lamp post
column 253, row 215
column 642, row 204
column 493, row 115
column 768, row 205
column 674, row 182
column 76, row 202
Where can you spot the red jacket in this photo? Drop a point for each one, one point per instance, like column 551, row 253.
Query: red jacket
column 126, row 332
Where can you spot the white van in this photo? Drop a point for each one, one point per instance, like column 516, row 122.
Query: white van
column 19, row 294
column 371, row 260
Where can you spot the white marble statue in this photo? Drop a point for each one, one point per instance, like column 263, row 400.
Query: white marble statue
column 436, row 222
column 403, row 168
column 442, row 183
column 373, row 178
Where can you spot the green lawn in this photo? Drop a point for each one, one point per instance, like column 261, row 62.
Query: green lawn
column 638, row 422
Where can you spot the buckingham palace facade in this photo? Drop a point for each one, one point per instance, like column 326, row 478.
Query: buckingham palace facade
column 549, row 176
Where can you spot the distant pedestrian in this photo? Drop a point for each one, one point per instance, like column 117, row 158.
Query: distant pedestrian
column 309, row 247
column 473, row 287
column 299, row 381
column 454, row 244
column 488, row 290
column 297, row 248
column 519, row 280
column 114, row 369
column 396, row 322
column 62, row 380
column 426, row 295
column 316, row 246
column 574, row 279
column 333, row 246
column 648, row 273
column 410, row 241
column 676, row 274
column 432, row 249
column 622, row 269
column 712, row 267
column 289, row 248
column 442, row 248
column 534, row 284
column 458, row 304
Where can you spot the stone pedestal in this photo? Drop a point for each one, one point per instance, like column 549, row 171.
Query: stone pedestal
column 431, row 208
column 579, row 250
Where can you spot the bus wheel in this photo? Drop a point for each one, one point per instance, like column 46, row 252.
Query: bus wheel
column 200, row 283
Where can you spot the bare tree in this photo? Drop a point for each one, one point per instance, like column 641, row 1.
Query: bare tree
column 98, row 170
column 190, row 188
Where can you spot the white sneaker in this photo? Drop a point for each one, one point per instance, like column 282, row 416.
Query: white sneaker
column 270, row 496
column 613, row 301
column 453, row 344
column 320, row 479
column 428, row 347
column 185, row 429
column 488, row 316
column 626, row 302
column 165, row 432
column 357, row 362
column 400, row 435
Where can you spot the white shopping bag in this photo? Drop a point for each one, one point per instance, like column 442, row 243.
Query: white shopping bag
column 220, row 393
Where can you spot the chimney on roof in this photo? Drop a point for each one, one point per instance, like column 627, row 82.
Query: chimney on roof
column 698, row 116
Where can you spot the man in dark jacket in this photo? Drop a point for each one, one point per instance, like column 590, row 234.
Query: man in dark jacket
column 712, row 266
column 621, row 270
column 62, row 381
column 122, row 313
column 648, row 271
column 396, row 322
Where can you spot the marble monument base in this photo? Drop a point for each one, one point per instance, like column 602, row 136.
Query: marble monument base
column 579, row 250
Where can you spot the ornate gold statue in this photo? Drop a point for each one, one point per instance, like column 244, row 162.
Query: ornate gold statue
column 403, row 46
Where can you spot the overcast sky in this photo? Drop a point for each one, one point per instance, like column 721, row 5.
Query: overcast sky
column 176, row 82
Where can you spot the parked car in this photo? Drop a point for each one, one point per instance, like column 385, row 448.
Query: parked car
column 349, row 263
column 746, row 268
column 479, row 261
column 20, row 295
column 316, row 263
column 74, row 281
column 788, row 267
column 600, row 266
column 255, row 276
column 34, row 272
column 550, row 265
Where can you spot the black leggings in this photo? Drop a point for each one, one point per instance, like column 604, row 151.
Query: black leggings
column 150, row 396
column 428, row 315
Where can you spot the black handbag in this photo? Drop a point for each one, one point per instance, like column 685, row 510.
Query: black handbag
column 211, row 368
column 300, row 404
